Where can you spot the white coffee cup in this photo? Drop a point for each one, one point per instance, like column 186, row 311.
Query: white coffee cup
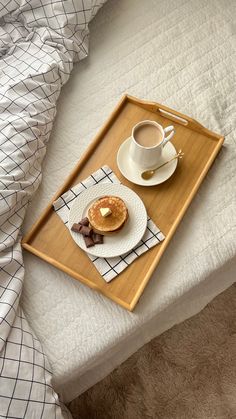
column 149, row 156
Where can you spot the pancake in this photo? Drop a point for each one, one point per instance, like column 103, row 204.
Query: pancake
column 114, row 221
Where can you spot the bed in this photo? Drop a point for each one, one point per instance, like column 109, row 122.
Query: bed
column 180, row 54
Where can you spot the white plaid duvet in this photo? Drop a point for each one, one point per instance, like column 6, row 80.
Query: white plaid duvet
column 39, row 41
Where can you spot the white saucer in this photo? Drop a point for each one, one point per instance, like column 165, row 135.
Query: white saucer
column 128, row 237
column 132, row 172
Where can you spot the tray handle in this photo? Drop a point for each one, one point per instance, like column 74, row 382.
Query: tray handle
column 173, row 115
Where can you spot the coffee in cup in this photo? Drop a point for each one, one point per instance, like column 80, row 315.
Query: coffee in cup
column 148, row 135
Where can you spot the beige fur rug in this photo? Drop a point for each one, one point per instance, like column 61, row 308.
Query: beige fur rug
column 189, row 372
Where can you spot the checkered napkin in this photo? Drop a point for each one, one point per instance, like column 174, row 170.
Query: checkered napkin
column 109, row 268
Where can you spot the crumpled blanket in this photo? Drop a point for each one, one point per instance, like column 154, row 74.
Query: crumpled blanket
column 39, row 42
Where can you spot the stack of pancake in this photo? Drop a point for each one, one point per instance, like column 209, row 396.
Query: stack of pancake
column 115, row 218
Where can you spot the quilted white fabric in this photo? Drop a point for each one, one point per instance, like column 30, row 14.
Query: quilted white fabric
column 39, row 41
column 182, row 54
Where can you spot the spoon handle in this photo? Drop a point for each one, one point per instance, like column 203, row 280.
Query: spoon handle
column 163, row 164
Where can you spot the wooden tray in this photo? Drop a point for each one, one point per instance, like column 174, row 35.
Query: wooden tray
column 165, row 203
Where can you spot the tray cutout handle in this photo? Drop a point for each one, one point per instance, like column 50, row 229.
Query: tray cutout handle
column 173, row 117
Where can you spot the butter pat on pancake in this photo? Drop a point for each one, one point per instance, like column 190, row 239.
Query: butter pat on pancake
column 105, row 212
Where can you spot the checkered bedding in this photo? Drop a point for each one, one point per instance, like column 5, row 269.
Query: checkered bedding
column 39, row 42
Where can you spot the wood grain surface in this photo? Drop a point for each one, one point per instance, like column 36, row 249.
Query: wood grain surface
column 166, row 203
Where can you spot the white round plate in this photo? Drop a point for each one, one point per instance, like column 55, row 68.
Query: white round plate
column 132, row 172
column 128, row 237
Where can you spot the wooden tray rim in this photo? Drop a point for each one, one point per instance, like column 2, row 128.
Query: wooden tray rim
column 152, row 107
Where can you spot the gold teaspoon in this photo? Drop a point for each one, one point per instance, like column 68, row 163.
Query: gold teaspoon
column 149, row 173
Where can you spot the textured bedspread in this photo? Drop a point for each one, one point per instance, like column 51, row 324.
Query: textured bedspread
column 39, row 41
column 182, row 54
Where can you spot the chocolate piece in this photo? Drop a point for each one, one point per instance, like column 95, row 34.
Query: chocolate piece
column 97, row 238
column 84, row 221
column 88, row 241
column 76, row 228
column 86, row 231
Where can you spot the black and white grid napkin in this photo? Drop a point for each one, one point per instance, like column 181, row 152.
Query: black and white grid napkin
column 109, row 268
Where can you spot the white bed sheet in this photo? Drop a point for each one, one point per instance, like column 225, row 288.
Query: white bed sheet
column 180, row 54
